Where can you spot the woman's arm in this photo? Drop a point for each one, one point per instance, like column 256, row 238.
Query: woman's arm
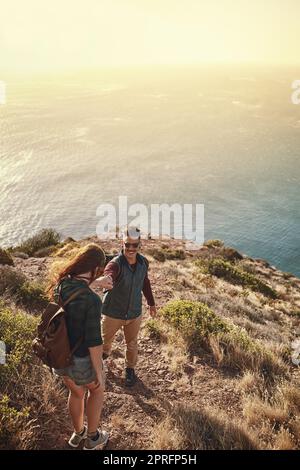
column 93, row 338
column 96, row 358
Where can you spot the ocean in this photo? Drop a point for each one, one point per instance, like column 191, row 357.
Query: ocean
column 227, row 137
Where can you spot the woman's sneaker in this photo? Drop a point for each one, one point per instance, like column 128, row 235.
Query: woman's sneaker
column 77, row 437
column 97, row 442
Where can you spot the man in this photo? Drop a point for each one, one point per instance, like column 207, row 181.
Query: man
column 122, row 305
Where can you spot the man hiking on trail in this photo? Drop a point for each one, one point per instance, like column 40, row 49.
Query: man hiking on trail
column 122, row 305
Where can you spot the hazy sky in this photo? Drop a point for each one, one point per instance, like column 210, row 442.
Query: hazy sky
column 42, row 34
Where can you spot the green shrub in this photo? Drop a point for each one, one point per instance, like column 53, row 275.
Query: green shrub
column 287, row 275
column 5, row 257
column 68, row 240
column 295, row 312
column 214, row 243
column 153, row 328
column 44, row 252
column 161, row 254
column 43, row 239
column 202, row 265
column 32, row 295
column 19, row 254
column 230, row 254
column 67, row 250
column 231, row 273
column 193, row 319
column 201, row 327
column 34, row 415
column 10, row 280
column 11, row 422
column 17, row 330
column 157, row 254
column 15, row 284
column 174, row 254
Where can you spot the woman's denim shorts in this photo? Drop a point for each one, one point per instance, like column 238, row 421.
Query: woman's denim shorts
column 81, row 371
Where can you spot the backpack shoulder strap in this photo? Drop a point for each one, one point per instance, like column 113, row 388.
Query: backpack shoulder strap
column 63, row 304
column 74, row 295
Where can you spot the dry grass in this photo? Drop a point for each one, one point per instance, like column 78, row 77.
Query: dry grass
column 190, row 428
column 209, row 282
column 216, row 349
column 295, row 428
column 236, row 349
column 46, row 397
column 175, row 353
column 166, row 436
column 68, row 250
column 276, row 416
column 250, row 383
column 173, row 346
column 256, row 411
column 181, row 384
column 284, row 441
column 290, row 396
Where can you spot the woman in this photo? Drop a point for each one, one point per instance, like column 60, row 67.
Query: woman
column 83, row 324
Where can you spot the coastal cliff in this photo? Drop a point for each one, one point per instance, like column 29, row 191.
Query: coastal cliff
column 217, row 368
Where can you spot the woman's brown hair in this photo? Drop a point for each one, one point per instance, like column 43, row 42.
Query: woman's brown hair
column 89, row 259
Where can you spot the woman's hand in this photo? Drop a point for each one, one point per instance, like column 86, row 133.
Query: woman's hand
column 101, row 378
column 96, row 353
column 105, row 282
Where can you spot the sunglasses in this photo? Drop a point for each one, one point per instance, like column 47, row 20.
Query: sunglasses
column 133, row 245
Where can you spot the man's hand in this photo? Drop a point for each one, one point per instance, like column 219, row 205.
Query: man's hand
column 105, row 282
column 152, row 311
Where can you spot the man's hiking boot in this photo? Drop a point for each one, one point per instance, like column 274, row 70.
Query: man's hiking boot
column 130, row 377
column 77, row 437
column 97, row 442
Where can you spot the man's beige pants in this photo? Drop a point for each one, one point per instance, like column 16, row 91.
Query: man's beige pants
column 131, row 328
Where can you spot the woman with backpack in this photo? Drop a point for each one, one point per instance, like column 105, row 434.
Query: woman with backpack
column 83, row 313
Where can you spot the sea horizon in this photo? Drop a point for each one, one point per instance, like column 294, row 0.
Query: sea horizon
column 224, row 137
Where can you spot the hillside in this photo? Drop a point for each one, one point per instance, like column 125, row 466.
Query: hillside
column 215, row 367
